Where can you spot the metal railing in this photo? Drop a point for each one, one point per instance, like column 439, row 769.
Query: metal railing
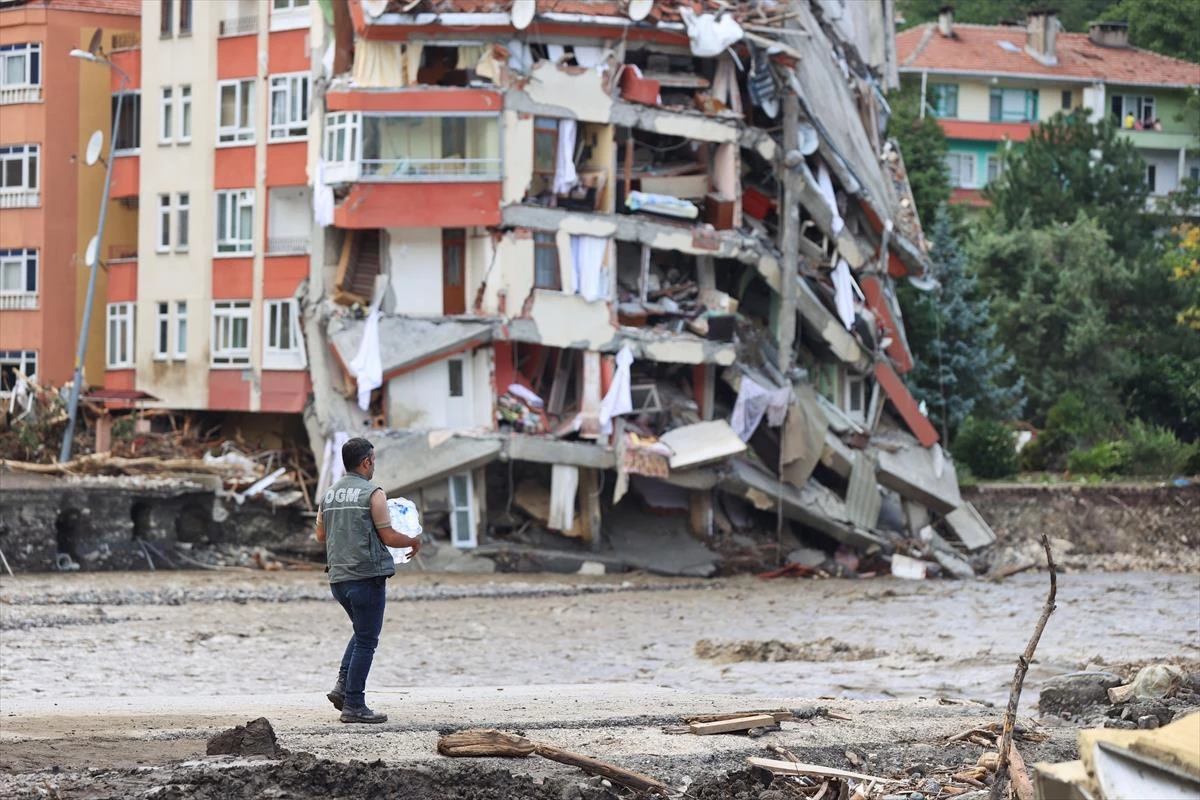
column 20, row 198
column 25, row 301
column 237, row 26
column 430, row 169
column 287, row 245
column 122, row 252
column 126, row 40
column 10, row 95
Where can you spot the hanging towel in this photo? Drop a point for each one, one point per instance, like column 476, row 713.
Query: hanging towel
column 367, row 365
column 565, row 176
column 619, row 399
column 753, row 403
column 843, row 291
column 825, row 184
column 564, row 483
column 587, row 258
column 322, row 198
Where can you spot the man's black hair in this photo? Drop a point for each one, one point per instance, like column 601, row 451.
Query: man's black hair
column 354, row 451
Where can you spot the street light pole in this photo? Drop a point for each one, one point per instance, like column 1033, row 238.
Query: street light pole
column 81, row 352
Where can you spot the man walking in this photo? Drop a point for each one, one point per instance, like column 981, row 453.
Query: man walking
column 354, row 524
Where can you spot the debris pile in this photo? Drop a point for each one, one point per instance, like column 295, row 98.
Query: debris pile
column 1153, row 696
column 255, row 738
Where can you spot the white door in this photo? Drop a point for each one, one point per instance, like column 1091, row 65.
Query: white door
column 462, row 511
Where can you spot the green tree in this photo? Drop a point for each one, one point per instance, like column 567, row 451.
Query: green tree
column 1075, row 15
column 960, row 369
column 1164, row 26
column 923, row 145
column 1070, row 165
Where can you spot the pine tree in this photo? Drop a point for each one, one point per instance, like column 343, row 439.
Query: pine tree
column 960, row 369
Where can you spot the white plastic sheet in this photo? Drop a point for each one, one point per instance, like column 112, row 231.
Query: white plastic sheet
column 322, row 198
column 367, row 366
column 587, row 257
column 406, row 520
column 843, row 289
column 709, row 36
column 753, row 403
column 565, row 176
column 825, row 184
column 619, row 398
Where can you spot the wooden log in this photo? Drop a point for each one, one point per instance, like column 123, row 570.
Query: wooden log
column 800, row 768
column 1018, row 775
column 781, row 715
column 478, row 743
column 732, row 725
column 1120, row 694
column 628, row 779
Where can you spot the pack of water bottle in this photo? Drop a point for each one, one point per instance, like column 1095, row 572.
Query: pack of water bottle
column 405, row 520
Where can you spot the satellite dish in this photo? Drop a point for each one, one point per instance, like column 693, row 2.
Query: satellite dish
column 640, row 9
column 808, row 139
column 92, row 256
column 523, row 12
column 95, row 142
column 374, row 8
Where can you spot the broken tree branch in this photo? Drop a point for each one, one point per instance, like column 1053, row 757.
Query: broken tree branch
column 1023, row 662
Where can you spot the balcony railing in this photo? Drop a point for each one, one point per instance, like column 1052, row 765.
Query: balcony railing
column 430, row 169
column 24, row 301
column 126, row 40
column 238, row 26
column 11, row 95
column 20, row 198
column 122, row 252
column 287, row 245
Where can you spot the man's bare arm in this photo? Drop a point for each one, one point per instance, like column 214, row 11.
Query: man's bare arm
column 320, row 532
column 383, row 525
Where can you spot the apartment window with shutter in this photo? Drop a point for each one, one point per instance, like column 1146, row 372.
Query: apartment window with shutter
column 283, row 347
column 18, row 278
column 231, row 333
column 166, row 9
column 162, row 331
column 945, row 99
column 185, row 17
column 1013, row 105
column 235, row 114
column 20, row 68
column 545, row 262
column 235, row 221
column 19, row 175
column 961, row 169
column 289, row 106
column 127, row 131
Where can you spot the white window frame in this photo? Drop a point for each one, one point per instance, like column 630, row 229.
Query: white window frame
column 162, row 228
column 121, row 319
column 185, row 113
column 955, row 172
column 162, row 331
column 295, row 89
column 26, row 194
column 457, row 539
column 850, row 382
column 166, row 115
column 237, row 241
column 181, row 330
column 22, row 360
column 286, row 15
column 183, row 221
column 342, row 165
column 995, row 167
column 28, row 90
column 242, row 131
column 274, row 356
column 131, row 103
column 19, row 258
column 226, row 353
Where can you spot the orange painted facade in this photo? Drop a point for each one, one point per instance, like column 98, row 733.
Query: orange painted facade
column 419, row 205
column 285, row 391
column 287, row 51
column 130, row 61
column 52, row 123
column 233, row 278
column 125, row 176
column 282, row 275
column 123, row 379
column 122, row 282
column 233, row 168
column 287, row 164
column 228, row 390
column 237, row 57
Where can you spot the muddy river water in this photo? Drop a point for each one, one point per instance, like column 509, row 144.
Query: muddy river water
column 178, row 634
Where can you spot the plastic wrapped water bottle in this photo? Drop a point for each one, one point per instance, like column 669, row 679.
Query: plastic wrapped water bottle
column 405, row 520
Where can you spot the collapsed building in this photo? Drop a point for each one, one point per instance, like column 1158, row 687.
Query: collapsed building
column 613, row 269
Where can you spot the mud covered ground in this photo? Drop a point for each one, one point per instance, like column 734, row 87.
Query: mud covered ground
column 111, row 683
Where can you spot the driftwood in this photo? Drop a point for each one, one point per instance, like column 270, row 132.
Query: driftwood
column 477, row 743
column 781, row 715
column 800, row 768
column 1014, row 695
column 735, row 725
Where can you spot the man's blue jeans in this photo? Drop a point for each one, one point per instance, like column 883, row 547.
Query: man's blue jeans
column 364, row 602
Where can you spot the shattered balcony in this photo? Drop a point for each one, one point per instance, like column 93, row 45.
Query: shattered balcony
column 675, row 289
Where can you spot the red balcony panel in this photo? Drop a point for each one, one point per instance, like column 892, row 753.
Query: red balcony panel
column 877, row 302
column 430, row 99
column 904, row 402
column 282, row 274
column 233, row 278
column 123, row 379
column 986, row 131
column 969, row 197
column 228, row 390
column 287, row 164
column 285, row 390
column 122, row 282
column 287, row 52
column 125, row 176
column 419, row 205
column 237, row 57
column 131, row 62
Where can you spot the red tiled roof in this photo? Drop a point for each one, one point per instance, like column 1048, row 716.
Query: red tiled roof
column 976, row 49
column 130, row 8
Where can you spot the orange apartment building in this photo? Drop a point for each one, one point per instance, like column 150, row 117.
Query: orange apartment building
column 49, row 200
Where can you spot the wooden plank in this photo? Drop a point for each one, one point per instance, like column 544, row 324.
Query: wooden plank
column 781, row 715
column 732, row 725
column 800, row 768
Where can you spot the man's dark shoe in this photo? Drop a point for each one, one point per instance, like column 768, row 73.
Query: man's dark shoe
column 363, row 714
column 337, row 695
